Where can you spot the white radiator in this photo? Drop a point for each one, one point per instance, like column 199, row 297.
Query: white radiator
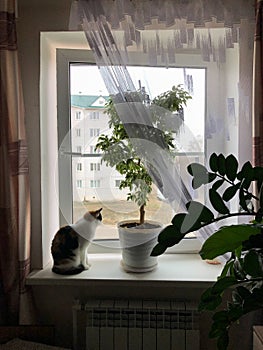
column 135, row 325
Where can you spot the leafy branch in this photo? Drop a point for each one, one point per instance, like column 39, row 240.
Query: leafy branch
column 243, row 272
column 121, row 150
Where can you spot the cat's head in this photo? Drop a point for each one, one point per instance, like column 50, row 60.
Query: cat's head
column 94, row 214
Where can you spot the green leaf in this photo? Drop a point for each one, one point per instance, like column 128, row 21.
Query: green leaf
column 221, row 161
column 238, row 270
column 217, row 202
column 255, row 241
column 223, row 341
column 259, row 215
column 178, row 220
column 228, row 266
column 209, row 300
column 200, row 175
column 213, row 162
column 159, row 249
column 227, row 239
column 253, row 264
column 170, row 236
column 231, row 167
column 243, row 292
column 217, row 184
column 246, row 172
column 258, row 176
column 242, row 199
column 223, row 283
column 199, row 212
column 196, row 168
column 261, row 197
column 230, row 193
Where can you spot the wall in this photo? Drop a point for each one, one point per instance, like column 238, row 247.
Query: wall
column 34, row 17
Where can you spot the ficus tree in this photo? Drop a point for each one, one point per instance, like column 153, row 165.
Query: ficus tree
column 121, row 152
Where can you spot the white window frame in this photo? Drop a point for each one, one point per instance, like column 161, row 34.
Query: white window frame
column 56, row 54
column 64, row 58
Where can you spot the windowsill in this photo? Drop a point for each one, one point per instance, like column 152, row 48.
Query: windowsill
column 180, row 269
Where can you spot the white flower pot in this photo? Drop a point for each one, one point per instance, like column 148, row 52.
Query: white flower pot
column 137, row 244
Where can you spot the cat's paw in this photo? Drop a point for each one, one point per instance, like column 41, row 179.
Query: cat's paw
column 87, row 266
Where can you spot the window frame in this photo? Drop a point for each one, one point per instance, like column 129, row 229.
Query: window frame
column 65, row 57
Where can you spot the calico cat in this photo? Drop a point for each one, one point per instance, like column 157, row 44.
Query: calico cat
column 70, row 244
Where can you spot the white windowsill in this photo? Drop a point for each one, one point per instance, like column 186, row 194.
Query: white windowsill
column 180, row 269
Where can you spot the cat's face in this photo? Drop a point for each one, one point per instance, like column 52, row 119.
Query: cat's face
column 96, row 214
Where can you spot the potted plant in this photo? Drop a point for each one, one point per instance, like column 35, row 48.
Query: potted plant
column 120, row 152
column 242, row 273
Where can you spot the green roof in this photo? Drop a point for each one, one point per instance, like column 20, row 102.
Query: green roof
column 86, row 101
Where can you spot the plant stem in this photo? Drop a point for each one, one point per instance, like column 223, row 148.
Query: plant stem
column 142, row 214
column 233, row 184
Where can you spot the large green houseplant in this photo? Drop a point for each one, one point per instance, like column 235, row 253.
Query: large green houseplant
column 243, row 271
column 120, row 151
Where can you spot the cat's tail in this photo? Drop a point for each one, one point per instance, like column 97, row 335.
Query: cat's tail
column 71, row 271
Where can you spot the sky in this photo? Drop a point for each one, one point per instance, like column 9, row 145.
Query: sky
column 87, row 80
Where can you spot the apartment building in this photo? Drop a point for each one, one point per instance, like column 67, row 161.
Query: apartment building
column 92, row 180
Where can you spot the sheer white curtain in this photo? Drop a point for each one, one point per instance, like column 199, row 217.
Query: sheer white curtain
column 217, row 36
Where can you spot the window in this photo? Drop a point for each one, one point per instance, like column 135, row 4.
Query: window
column 78, row 115
column 79, row 183
column 78, row 132
column 95, row 115
column 94, row 166
column 117, row 183
column 78, row 149
column 94, row 132
column 202, row 117
column 93, row 150
column 104, row 191
column 79, row 166
column 94, row 183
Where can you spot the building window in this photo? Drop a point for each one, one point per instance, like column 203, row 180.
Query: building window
column 78, row 132
column 78, row 115
column 78, row 149
column 117, row 183
column 95, row 115
column 79, row 183
column 94, row 132
column 79, row 166
column 94, row 166
column 93, row 150
column 94, row 183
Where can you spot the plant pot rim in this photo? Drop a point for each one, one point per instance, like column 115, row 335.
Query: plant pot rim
column 158, row 225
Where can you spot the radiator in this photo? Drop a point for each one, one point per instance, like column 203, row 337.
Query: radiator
column 135, row 325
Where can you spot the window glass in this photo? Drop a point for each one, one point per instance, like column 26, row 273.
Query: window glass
column 102, row 182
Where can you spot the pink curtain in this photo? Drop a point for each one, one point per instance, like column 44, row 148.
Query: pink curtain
column 258, row 87
column 14, row 181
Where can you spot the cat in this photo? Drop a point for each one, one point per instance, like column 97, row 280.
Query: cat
column 70, row 244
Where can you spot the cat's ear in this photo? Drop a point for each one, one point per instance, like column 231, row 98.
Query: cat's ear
column 97, row 213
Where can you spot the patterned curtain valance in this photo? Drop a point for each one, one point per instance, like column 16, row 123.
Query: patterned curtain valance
column 161, row 28
column 161, row 14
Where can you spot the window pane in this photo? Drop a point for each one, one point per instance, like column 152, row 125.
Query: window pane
column 100, row 184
